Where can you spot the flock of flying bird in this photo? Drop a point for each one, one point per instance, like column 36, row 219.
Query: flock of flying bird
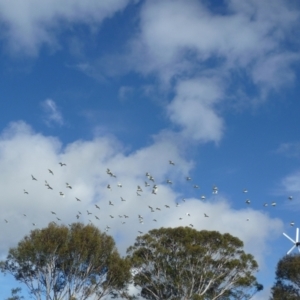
column 148, row 183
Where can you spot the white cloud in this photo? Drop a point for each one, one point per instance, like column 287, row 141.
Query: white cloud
column 186, row 37
column 53, row 115
column 274, row 71
column 289, row 189
column 290, row 186
column 30, row 24
column 193, row 109
column 170, row 28
column 184, row 42
column 180, row 42
column 24, row 152
column 291, row 149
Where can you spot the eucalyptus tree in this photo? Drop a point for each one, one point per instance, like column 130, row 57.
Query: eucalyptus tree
column 287, row 284
column 76, row 262
column 15, row 294
column 183, row 263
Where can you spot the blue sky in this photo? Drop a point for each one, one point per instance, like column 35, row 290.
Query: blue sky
column 130, row 85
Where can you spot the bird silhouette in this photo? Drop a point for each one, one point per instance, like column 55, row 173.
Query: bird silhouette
column 109, row 172
column 215, row 190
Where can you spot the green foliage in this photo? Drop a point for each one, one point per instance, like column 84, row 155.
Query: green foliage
column 287, row 285
column 68, row 262
column 182, row 263
column 15, row 294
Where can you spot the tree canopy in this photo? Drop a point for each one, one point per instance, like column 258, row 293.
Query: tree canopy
column 60, row 262
column 287, row 285
column 15, row 294
column 183, row 263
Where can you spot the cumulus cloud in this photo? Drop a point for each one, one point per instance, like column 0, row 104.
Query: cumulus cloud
column 182, row 42
column 24, row 152
column 30, row 24
column 52, row 113
column 179, row 42
column 193, row 109
column 177, row 36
